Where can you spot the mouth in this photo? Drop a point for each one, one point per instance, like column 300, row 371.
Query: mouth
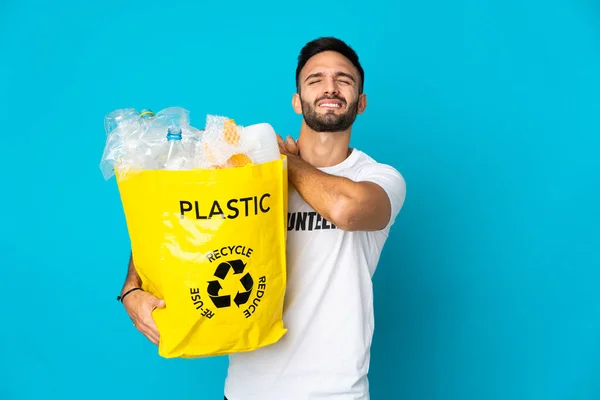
column 330, row 104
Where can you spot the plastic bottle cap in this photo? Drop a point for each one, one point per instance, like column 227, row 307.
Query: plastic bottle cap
column 174, row 134
column 146, row 113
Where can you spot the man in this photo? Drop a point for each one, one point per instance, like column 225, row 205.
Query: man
column 342, row 205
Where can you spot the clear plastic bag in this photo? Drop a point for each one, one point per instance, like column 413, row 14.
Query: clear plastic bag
column 138, row 140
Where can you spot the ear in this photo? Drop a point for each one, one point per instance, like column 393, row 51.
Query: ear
column 297, row 103
column 362, row 103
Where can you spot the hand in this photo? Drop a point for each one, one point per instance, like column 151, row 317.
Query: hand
column 139, row 305
column 287, row 147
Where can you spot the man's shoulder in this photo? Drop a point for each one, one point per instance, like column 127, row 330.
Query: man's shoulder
column 387, row 177
column 366, row 164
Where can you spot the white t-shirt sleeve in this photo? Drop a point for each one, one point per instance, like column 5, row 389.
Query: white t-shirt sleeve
column 391, row 181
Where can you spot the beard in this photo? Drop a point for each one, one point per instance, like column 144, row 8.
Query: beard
column 329, row 122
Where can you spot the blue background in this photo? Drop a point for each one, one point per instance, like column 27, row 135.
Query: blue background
column 488, row 286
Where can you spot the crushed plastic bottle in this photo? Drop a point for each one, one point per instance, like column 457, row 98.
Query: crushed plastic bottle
column 118, row 118
column 120, row 126
column 144, row 140
column 175, row 155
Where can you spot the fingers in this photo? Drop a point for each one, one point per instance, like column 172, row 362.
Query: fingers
column 283, row 148
column 288, row 140
column 145, row 324
column 148, row 323
column 148, row 331
column 291, row 145
column 151, row 331
column 287, row 146
column 140, row 308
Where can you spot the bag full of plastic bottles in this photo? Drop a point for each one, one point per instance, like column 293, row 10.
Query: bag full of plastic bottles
column 205, row 211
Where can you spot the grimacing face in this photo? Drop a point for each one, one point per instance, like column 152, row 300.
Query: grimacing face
column 329, row 96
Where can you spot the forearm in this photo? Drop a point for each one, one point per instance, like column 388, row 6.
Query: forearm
column 328, row 195
column 133, row 279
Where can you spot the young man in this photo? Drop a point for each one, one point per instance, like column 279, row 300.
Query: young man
column 342, row 204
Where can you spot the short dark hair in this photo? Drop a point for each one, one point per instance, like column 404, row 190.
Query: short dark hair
column 328, row 44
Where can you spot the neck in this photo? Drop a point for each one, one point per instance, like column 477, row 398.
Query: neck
column 323, row 149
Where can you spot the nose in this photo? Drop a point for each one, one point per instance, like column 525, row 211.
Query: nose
column 331, row 87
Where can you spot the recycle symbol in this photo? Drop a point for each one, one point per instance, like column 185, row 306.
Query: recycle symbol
column 214, row 287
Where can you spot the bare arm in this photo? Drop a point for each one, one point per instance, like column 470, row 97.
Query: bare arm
column 349, row 205
column 139, row 304
column 132, row 279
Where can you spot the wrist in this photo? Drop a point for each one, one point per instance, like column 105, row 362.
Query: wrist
column 127, row 292
column 128, row 286
column 130, row 283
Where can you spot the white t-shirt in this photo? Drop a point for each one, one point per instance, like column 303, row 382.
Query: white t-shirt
column 328, row 306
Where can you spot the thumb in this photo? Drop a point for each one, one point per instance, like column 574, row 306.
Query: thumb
column 159, row 303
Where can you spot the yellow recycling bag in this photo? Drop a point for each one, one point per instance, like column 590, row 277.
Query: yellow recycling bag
column 211, row 243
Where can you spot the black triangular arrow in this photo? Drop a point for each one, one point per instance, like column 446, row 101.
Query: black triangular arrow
column 241, row 298
column 213, row 288
column 247, row 281
column 238, row 266
column 222, row 270
column 221, row 301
